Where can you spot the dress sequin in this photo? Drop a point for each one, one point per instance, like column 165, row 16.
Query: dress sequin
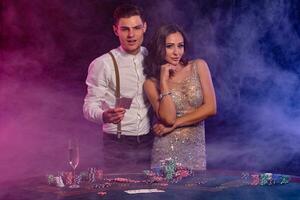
column 186, row 145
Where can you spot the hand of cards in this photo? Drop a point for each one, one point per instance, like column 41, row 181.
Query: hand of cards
column 123, row 102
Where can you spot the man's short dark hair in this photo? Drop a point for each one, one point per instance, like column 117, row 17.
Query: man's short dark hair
column 127, row 10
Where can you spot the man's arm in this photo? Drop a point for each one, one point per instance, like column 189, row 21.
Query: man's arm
column 97, row 86
column 95, row 107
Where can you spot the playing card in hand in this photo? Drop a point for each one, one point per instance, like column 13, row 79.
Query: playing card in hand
column 124, row 102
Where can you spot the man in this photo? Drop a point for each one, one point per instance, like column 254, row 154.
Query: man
column 126, row 139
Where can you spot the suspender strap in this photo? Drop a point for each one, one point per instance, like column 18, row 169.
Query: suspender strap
column 117, row 91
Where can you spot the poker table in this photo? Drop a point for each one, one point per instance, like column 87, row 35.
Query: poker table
column 210, row 184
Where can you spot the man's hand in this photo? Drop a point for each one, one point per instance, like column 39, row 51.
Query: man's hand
column 113, row 115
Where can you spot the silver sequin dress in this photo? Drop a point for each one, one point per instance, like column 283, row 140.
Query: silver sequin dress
column 186, row 145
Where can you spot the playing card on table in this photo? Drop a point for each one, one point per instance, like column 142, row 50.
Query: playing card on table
column 141, row 191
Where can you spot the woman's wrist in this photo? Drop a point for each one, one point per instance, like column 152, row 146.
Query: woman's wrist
column 176, row 124
column 164, row 88
column 162, row 95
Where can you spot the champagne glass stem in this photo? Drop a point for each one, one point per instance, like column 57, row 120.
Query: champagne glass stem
column 74, row 180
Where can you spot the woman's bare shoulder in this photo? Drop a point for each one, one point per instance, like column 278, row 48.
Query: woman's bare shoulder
column 199, row 62
column 150, row 82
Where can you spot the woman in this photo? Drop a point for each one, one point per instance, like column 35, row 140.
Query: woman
column 182, row 95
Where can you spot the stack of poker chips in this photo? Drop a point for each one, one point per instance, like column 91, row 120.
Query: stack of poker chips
column 91, row 175
column 55, row 180
column 255, row 179
column 169, row 168
column 281, row 179
column 173, row 171
column 155, row 175
column 51, row 179
column 102, row 185
column 59, row 181
column 264, row 179
column 169, row 171
column 182, row 172
column 78, row 179
column 67, row 177
column 99, row 174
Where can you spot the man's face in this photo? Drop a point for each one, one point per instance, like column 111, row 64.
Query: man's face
column 131, row 33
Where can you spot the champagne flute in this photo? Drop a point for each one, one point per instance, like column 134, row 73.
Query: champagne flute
column 73, row 159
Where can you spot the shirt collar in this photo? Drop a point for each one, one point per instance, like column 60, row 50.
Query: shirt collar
column 124, row 53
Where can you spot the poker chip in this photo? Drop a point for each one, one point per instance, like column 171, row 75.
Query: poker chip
column 255, row 179
column 101, row 186
column 102, row 193
column 285, row 179
column 99, row 174
column 246, row 178
column 264, row 179
column 123, row 180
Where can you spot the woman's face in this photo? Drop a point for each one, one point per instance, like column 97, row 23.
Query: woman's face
column 174, row 48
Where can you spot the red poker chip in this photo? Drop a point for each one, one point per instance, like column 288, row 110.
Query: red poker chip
column 102, row 193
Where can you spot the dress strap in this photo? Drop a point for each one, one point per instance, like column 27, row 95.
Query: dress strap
column 195, row 70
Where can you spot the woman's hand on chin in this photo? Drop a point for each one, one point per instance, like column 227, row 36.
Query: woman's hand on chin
column 166, row 71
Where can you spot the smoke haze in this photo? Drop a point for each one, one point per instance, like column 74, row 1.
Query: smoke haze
column 251, row 47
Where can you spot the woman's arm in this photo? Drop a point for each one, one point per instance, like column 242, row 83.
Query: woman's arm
column 163, row 107
column 167, row 109
column 209, row 106
column 152, row 94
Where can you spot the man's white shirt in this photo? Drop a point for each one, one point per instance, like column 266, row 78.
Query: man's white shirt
column 101, row 84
